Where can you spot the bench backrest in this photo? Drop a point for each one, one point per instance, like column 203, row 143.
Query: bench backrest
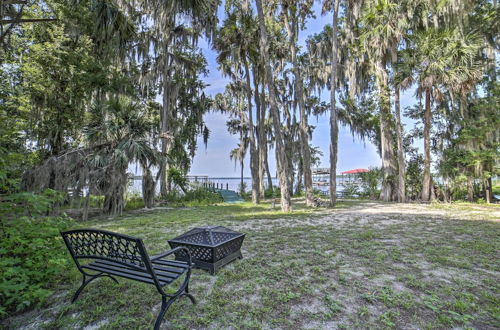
column 106, row 245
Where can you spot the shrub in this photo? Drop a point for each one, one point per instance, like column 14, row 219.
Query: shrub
column 319, row 193
column 176, row 177
column 496, row 188
column 134, row 202
column 246, row 195
column 32, row 253
column 242, row 188
column 370, row 182
column 198, row 196
column 270, row 192
column 351, row 189
column 203, row 196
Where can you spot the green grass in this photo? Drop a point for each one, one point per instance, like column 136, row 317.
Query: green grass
column 344, row 268
column 496, row 188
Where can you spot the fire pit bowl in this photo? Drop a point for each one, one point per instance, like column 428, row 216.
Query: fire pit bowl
column 211, row 247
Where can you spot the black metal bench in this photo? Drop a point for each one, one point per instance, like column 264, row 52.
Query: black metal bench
column 100, row 253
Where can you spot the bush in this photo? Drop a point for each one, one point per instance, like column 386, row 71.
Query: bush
column 176, row 177
column 370, row 182
column 32, row 254
column 496, row 188
column 198, row 196
column 270, row 192
column 319, row 193
column 134, row 202
column 351, row 189
column 246, row 195
column 242, row 188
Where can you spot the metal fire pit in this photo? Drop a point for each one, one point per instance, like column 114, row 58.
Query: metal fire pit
column 211, row 247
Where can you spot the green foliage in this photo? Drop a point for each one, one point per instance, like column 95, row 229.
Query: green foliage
column 14, row 158
column 28, row 204
column 56, row 73
column 242, row 188
column 32, row 254
column 351, row 189
column 496, row 188
column 414, row 171
column 176, row 177
column 194, row 197
column 270, row 192
column 370, row 182
column 134, row 202
column 317, row 192
column 247, row 195
column 475, row 150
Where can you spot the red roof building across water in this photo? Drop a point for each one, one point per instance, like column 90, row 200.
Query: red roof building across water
column 356, row 171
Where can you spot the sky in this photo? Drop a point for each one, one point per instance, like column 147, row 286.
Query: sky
column 214, row 159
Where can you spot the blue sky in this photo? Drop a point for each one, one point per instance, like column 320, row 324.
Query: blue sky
column 214, row 160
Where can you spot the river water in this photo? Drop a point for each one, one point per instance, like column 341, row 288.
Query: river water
column 232, row 183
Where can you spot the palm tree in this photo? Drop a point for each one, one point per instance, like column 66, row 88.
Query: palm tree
column 238, row 155
column 282, row 158
column 232, row 102
column 334, row 129
column 118, row 135
column 261, row 127
column 441, row 60
column 335, row 62
column 384, row 26
column 236, row 43
column 294, row 15
column 158, row 47
column 399, row 140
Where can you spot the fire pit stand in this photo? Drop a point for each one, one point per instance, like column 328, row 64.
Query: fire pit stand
column 211, row 247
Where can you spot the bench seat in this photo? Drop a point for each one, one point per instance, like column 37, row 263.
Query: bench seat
column 166, row 271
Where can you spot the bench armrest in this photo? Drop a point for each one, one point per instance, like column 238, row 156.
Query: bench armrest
column 166, row 254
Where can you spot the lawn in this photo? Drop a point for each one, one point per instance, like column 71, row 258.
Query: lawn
column 361, row 265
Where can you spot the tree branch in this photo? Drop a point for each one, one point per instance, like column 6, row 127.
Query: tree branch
column 13, row 2
column 27, row 20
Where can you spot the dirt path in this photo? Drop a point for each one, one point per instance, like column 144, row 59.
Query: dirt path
column 379, row 215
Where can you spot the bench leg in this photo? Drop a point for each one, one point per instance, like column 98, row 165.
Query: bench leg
column 165, row 304
column 187, row 294
column 164, row 307
column 85, row 282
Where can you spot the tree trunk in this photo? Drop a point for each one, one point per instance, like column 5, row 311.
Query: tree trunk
column 242, row 183
column 260, row 133
column 303, row 126
column 282, row 158
column 489, row 190
column 148, row 187
column 165, row 119
column 492, row 66
column 114, row 195
column 470, row 189
column 386, row 138
column 268, row 173
column 85, row 215
column 264, row 139
column 298, row 189
column 334, row 129
column 254, row 156
column 401, row 155
column 426, row 181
